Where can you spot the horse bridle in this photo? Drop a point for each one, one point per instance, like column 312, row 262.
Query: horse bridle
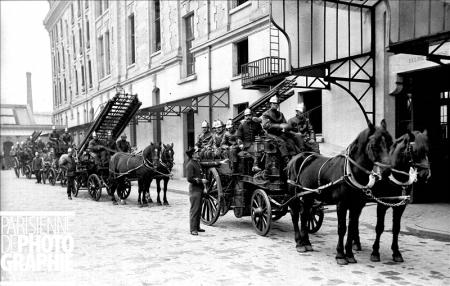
column 169, row 162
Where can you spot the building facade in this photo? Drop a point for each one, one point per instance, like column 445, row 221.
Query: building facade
column 183, row 58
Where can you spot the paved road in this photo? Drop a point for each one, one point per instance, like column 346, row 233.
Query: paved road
column 128, row 245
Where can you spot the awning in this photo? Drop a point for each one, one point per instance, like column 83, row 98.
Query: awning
column 219, row 98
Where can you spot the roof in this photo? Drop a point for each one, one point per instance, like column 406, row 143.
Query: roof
column 16, row 114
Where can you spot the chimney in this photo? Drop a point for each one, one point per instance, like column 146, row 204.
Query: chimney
column 29, row 92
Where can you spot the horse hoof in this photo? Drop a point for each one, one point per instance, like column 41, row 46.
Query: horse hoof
column 166, row 203
column 301, row 249
column 351, row 260
column 375, row 257
column 397, row 258
column 309, row 248
column 341, row 261
column 115, row 203
column 159, row 204
column 357, row 246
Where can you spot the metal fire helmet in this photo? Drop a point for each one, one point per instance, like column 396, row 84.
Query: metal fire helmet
column 205, row 124
column 274, row 99
column 94, row 134
column 229, row 123
column 247, row 111
column 219, row 123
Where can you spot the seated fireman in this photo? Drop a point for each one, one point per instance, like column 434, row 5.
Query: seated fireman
column 97, row 149
column 204, row 138
column 246, row 134
column 274, row 122
column 303, row 130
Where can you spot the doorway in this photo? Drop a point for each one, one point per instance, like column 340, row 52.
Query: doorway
column 313, row 107
column 423, row 106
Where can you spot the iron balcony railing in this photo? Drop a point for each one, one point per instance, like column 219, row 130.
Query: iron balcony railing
column 261, row 69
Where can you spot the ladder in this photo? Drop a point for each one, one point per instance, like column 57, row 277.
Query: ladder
column 263, row 104
column 274, row 46
column 114, row 118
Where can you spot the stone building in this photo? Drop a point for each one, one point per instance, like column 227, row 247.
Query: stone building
column 190, row 61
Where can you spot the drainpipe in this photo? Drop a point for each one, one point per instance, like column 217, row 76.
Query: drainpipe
column 210, row 86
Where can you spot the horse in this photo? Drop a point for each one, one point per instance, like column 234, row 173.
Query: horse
column 340, row 180
column 409, row 154
column 163, row 170
column 133, row 165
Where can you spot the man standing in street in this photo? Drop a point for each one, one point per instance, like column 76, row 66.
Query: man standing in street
column 68, row 162
column 37, row 166
column 196, row 187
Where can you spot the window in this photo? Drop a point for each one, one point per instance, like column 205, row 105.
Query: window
column 189, row 25
column 238, row 108
column 79, row 8
column 72, row 17
column 241, row 55
column 238, row 2
column 73, row 46
column 63, row 58
column 90, row 73
column 86, row 4
column 80, row 35
column 76, row 81
column 59, row 94
column 132, row 53
column 82, row 77
column 59, row 61
column 88, row 38
column 105, row 5
column 157, row 26
column 99, row 8
column 101, row 58
column 107, row 54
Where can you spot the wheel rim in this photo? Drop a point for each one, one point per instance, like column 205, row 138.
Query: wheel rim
column 94, row 187
column 316, row 219
column 261, row 212
column 125, row 191
column 210, row 201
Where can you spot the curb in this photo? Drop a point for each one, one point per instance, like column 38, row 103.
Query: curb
column 422, row 232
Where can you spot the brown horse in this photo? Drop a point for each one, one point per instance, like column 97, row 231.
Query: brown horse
column 409, row 160
column 140, row 166
column 163, row 171
column 339, row 180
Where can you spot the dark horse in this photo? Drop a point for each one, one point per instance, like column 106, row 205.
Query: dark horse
column 409, row 160
column 339, row 180
column 163, row 171
column 140, row 166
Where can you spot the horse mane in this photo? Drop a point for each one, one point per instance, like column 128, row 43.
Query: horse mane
column 421, row 144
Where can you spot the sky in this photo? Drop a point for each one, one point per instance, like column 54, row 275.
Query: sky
column 25, row 47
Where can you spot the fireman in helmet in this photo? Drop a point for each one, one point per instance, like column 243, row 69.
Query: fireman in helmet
column 274, row 122
column 246, row 135
column 303, row 130
column 204, row 138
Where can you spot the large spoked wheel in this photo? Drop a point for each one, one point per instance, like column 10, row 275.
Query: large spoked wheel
column 27, row 171
column 316, row 219
column 16, row 167
column 94, row 187
column 124, row 191
column 261, row 212
column 210, row 200
column 76, row 185
column 51, row 176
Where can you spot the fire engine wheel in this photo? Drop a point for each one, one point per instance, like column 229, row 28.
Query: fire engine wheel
column 51, row 176
column 210, row 201
column 28, row 172
column 94, row 187
column 124, row 191
column 261, row 212
column 316, row 219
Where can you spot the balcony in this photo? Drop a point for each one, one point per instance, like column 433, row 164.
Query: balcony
column 263, row 72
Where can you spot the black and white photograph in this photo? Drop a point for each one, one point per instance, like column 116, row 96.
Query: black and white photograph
column 224, row 142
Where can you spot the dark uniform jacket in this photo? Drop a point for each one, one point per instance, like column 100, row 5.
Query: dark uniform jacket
column 123, row 146
column 194, row 175
column 111, row 145
column 95, row 145
column 271, row 120
column 67, row 138
column 204, row 139
column 69, row 163
column 217, row 139
column 248, row 130
column 301, row 125
column 37, row 163
column 229, row 138
column 54, row 136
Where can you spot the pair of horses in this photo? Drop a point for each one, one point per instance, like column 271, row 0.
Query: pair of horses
column 373, row 165
column 154, row 162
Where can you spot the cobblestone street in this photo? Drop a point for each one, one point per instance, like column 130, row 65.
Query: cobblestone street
column 128, row 245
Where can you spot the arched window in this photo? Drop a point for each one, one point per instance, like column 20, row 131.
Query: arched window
column 92, row 113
